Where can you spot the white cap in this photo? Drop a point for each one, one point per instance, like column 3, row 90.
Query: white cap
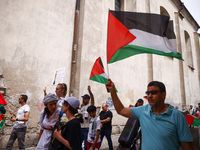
column 73, row 101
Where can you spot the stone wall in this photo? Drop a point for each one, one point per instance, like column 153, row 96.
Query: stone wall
column 32, row 132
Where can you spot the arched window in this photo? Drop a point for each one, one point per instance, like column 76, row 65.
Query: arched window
column 163, row 11
column 188, row 50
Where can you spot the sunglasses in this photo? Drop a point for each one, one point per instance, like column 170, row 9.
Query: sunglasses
column 153, row 92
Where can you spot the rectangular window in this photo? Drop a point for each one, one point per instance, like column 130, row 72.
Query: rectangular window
column 117, row 5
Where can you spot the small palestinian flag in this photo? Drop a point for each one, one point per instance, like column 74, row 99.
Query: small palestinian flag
column 98, row 74
column 131, row 33
column 2, row 100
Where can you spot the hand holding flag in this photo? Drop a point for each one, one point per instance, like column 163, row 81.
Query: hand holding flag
column 12, row 113
column 110, row 85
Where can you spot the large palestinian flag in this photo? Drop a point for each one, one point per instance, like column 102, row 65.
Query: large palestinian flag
column 98, row 74
column 132, row 33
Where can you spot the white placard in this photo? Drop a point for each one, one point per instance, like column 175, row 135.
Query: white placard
column 59, row 75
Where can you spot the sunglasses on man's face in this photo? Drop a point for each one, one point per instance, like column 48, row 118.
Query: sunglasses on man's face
column 153, row 92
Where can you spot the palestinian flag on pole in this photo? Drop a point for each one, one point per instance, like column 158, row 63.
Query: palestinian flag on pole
column 2, row 120
column 98, row 74
column 131, row 33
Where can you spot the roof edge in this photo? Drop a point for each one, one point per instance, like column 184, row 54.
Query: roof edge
column 184, row 11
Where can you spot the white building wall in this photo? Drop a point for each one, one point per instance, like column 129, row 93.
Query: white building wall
column 131, row 75
column 191, row 76
column 36, row 39
column 167, row 69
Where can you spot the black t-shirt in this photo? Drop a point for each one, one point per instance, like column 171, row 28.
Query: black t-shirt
column 104, row 115
column 71, row 131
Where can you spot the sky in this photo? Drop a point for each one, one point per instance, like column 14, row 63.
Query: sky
column 193, row 6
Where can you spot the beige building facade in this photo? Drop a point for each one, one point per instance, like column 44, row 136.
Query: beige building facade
column 40, row 38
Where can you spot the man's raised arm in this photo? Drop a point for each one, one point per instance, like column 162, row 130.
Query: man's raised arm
column 126, row 112
column 91, row 95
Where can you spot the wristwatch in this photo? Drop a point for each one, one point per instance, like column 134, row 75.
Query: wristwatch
column 16, row 119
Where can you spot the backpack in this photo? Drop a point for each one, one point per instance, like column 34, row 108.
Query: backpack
column 129, row 133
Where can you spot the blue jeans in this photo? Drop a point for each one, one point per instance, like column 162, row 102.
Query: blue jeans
column 107, row 133
column 84, row 135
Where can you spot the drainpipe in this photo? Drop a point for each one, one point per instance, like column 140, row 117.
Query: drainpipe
column 74, row 49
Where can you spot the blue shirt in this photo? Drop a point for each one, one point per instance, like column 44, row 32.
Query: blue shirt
column 164, row 131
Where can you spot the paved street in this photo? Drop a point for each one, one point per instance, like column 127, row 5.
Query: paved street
column 116, row 136
column 104, row 145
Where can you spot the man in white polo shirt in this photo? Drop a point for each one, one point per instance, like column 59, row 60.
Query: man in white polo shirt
column 86, row 118
column 19, row 127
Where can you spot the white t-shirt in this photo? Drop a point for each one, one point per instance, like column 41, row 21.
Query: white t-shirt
column 21, row 114
column 191, row 111
column 60, row 103
column 86, row 117
column 95, row 124
column 198, row 112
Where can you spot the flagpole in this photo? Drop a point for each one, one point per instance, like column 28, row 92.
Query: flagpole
column 107, row 46
column 8, row 107
column 89, row 82
column 107, row 49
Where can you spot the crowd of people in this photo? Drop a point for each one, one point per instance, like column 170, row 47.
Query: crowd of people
column 65, row 124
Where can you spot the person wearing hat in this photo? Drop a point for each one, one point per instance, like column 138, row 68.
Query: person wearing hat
column 85, row 125
column 60, row 91
column 19, row 127
column 47, row 120
column 69, row 136
column 140, row 102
